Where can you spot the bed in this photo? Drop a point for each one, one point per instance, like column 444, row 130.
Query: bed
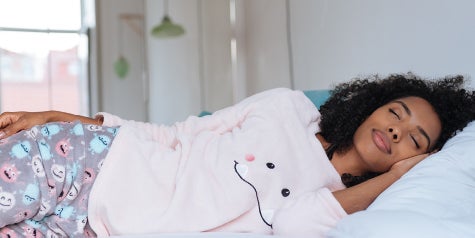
column 434, row 199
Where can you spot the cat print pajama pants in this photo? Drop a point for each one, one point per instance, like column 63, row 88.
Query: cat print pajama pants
column 46, row 174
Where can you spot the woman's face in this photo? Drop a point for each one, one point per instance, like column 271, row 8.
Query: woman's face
column 398, row 130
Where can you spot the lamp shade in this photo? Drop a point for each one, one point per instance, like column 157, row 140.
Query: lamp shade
column 167, row 29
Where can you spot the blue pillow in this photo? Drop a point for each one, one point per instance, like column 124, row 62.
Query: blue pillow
column 318, row 97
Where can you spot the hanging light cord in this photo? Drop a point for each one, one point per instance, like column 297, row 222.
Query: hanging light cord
column 165, row 7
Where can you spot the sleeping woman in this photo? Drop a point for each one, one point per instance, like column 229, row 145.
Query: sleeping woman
column 271, row 164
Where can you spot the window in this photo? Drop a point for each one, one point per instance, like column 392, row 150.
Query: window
column 43, row 56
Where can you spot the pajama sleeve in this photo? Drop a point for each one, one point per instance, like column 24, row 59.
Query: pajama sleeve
column 312, row 214
column 219, row 122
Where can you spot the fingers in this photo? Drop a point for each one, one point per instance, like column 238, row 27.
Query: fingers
column 405, row 165
column 12, row 129
column 5, row 119
column 8, row 131
column 419, row 158
column 10, row 123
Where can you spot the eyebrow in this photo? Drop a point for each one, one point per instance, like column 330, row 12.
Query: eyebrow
column 421, row 130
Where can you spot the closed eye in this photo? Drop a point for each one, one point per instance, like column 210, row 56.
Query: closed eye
column 395, row 114
column 415, row 142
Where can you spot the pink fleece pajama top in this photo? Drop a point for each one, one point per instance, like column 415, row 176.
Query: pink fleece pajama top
column 255, row 167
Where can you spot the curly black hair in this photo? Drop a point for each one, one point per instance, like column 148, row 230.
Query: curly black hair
column 351, row 103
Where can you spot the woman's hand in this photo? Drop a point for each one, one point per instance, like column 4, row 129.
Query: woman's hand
column 360, row 196
column 401, row 167
column 13, row 122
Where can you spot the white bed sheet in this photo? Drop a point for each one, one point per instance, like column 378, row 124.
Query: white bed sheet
column 434, row 199
column 199, row 235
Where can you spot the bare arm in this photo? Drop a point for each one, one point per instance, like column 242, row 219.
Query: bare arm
column 13, row 122
column 360, row 196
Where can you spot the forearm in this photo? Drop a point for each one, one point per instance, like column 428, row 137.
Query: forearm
column 54, row 116
column 13, row 122
column 360, row 196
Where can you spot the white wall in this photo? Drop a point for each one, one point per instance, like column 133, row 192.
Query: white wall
column 333, row 41
column 125, row 97
column 330, row 41
column 262, row 45
column 194, row 72
column 174, row 63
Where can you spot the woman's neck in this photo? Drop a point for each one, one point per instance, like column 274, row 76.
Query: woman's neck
column 347, row 162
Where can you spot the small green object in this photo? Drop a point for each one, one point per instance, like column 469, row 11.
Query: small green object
column 121, row 67
column 167, row 29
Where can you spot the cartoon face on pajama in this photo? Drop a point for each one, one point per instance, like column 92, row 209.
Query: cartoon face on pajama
column 88, row 232
column 63, row 147
column 7, row 201
column 99, row 143
column 59, row 172
column 50, row 130
column 64, row 211
column 51, row 234
column 112, row 130
column 249, row 167
column 51, row 186
column 33, row 223
column 32, row 133
column 31, row 194
column 7, row 232
column 21, row 150
column 30, row 232
column 78, row 130
column 45, row 150
column 9, row 173
column 21, row 216
column 37, row 166
column 74, row 191
column 44, row 208
column 81, row 223
column 55, row 234
column 99, row 165
column 93, row 127
column 89, row 175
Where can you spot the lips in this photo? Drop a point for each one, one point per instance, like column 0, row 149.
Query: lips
column 381, row 141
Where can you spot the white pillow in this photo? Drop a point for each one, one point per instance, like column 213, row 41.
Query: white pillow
column 434, row 199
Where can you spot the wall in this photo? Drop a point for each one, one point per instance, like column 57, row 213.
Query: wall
column 333, row 41
column 305, row 44
column 175, row 68
column 120, row 29
column 195, row 72
column 262, row 45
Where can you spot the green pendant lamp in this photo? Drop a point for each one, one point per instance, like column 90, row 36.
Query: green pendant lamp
column 167, row 29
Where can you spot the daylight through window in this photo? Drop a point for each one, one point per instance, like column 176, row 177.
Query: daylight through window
column 43, row 56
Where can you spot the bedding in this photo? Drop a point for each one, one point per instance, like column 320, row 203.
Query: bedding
column 200, row 235
column 233, row 156
column 434, row 199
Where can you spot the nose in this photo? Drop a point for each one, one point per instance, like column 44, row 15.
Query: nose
column 395, row 134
